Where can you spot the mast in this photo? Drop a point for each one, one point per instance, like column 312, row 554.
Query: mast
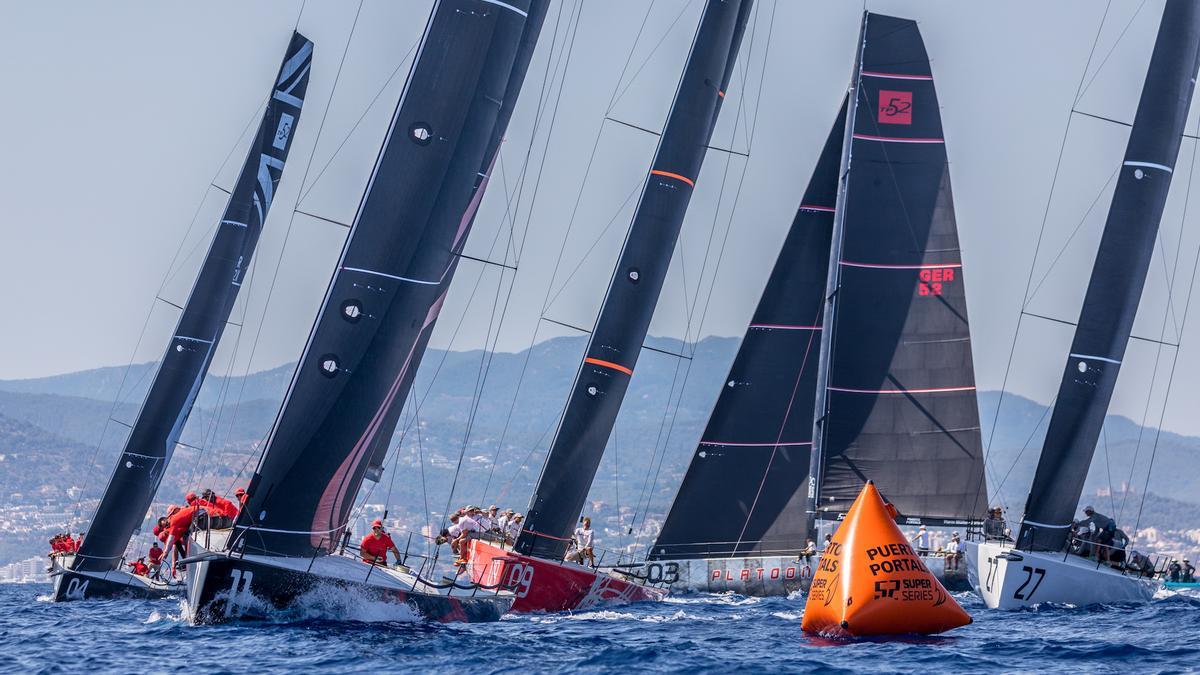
column 1118, row 277
column 393, row 275
column 624, row 319
column 821, row 406
column 743, row 492
column 151, row 442
column 896, row 392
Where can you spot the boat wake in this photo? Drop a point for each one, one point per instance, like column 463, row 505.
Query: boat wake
column 612, row 615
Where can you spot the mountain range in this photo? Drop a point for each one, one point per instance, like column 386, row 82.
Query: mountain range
column 50, row 431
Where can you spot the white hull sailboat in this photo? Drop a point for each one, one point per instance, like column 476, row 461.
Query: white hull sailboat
column 1037, row 568
column 1007, row 578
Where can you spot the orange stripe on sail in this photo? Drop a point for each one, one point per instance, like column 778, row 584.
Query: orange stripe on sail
column 608, row 364
column 720, row 93
column 668, row 174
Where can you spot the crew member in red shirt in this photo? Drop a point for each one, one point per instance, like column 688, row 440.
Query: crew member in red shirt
column 241, row 496
column 162, row 529
column 155, row 557
column 139, row 567
column 177, row 529
column 221, row 511
column 375, row 546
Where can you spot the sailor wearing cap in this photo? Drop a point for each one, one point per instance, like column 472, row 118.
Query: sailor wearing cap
column 374, row 546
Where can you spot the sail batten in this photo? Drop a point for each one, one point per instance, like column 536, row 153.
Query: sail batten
column 1117, row 281
column 168, row 403
column 620, row 330
column 389, row 286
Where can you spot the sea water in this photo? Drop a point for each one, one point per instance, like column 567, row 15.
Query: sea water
column 716, row 633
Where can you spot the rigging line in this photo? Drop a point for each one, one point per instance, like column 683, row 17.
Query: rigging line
column 485, row 367
column 1017, row 459
column 564, row 58
column 1113, row 48
column 667, row 352
column 1179, row 332
column 612, row 99
column 647, row 492
column 214, row 185
column 287, row 237
column 588, row 331
column 658, row 133
column 617, row 97
column 1037, row 247
column 548, row 78
column 162, row 299
column 782, row 427
column 302, row 192
column 328, row 220
column 596, row 242
column 1108, row 468
column 1101, row 118
column 209, row 437
column 486, row 262
column 1073, row 325
column 1067, row 244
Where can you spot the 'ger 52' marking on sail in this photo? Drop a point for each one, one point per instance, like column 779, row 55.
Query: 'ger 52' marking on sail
column 895, row 107
column 932, row 281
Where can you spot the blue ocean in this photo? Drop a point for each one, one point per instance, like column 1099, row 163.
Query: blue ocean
column 726, row 633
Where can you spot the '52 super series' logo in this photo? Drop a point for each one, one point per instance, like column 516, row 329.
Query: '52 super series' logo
column 895, row 107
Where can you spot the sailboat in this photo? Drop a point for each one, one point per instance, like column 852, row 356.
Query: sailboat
column 96, row 569
column 535, row 562
column 395, row 270
column 856, row 365
column 1037, row 568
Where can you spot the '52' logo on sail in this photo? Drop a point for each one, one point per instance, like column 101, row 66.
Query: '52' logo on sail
column 895, row 107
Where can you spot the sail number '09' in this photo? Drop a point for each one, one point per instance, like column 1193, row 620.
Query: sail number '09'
column 1030, row 573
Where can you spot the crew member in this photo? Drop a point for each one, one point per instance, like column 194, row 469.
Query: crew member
column 179, row 525
column 241, row 496
column 922, row 541
column 1188, row 573
column 1174, row 571
column 162, row 529
column 810, row 549
column 583, row 541
column 994, row 527
column 1103, row 530
column 828, row 542
column 953, row 552
column 154, row 556
column 514, row 529
column 375, row 546
column 139, row 568
column 221, row 511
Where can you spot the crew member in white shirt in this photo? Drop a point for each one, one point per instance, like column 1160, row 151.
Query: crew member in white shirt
column 584, row 539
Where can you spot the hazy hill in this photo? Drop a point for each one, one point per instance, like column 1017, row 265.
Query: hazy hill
column 75, row 406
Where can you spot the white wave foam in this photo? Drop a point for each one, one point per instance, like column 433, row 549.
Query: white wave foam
column 789, row 616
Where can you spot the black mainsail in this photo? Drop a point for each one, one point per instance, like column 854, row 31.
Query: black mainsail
column 743, row 491
column 624, row 319
column 896, row 386
column 168, row 403
column 393, row 276
column 1118, row 277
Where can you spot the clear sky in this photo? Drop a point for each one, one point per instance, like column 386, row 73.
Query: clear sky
column 117, row 117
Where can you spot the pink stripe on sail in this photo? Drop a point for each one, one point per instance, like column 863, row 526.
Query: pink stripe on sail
column 892, row 76
column 934, row 266
column 824, row 209
column 898, row 139
column 335, row 490
column 755, row 445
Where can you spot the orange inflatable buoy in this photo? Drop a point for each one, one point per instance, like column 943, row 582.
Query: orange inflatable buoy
column 870, row 581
